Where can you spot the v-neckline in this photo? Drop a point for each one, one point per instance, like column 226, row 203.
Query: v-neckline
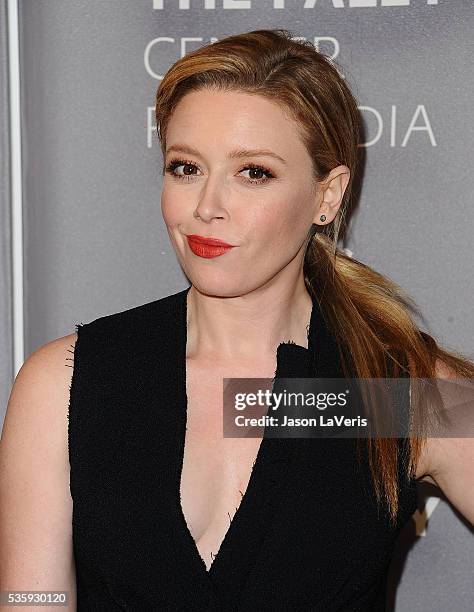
column 268, row 454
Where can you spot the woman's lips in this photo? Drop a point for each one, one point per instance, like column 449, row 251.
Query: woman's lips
column 207, row 247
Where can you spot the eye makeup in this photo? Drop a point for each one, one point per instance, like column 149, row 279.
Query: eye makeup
column 176, row 163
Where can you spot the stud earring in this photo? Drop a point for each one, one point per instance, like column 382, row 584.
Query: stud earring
column 322, row 218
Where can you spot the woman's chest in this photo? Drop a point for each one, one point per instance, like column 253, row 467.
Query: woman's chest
column 216, row 469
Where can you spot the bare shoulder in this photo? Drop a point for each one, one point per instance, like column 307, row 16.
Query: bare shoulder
column 52, row 354
column 424, row 469
column 35, row 501
column 41, row 387
column 450, row 462
column 435, row 449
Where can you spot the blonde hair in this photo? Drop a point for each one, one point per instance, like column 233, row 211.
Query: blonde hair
column 367, row 312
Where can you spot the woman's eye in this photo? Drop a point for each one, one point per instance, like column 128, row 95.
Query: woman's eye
column 174, row 165
column 187, row 173
column 256, row 172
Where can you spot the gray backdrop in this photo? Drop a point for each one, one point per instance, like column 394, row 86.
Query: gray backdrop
column 94, row 239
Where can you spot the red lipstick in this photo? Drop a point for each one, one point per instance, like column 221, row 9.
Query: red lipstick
column 207, row 247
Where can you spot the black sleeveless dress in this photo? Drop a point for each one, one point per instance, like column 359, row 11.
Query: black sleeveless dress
column 308, row 534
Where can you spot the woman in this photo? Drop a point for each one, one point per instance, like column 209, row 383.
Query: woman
column 259, row 136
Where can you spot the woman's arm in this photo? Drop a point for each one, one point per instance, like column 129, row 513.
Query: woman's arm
column 35, row 502
column 450, row 462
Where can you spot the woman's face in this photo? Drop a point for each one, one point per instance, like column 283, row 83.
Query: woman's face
column 261, row 204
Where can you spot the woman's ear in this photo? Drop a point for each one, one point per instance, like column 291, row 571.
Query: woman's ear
column 332, row 189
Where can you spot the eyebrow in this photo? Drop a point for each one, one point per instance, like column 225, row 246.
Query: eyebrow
column 237, row 153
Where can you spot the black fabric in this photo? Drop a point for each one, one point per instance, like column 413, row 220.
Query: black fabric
column 308, row 534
